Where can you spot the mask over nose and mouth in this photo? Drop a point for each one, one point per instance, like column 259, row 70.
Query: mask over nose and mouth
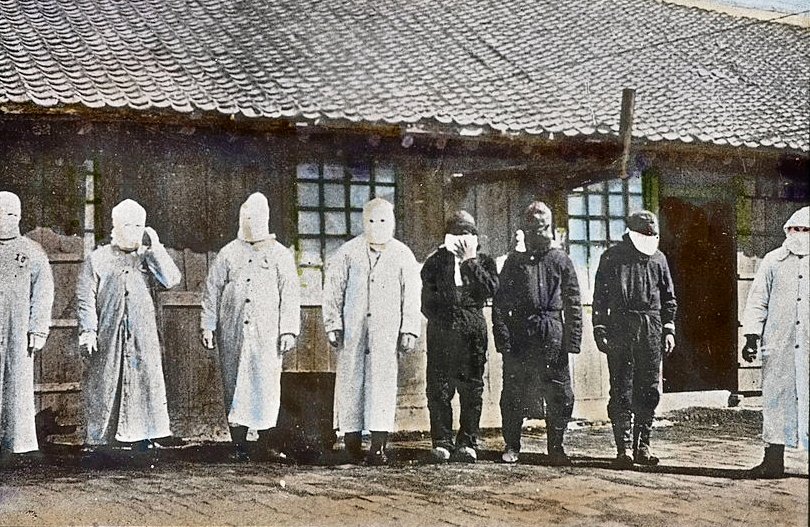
column 378, row 222
column 642, row 229
column 254, row 219
column 10, row 213
column 797, row 238
column 537, row 222
column 129, row 222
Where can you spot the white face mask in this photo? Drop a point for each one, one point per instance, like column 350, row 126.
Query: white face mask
column 254, row 219
column 798, row 243
column 643, row 243
column 129, row 222
column 378, row 223
column 9, row 215
column 520, row 241
column 450, row 240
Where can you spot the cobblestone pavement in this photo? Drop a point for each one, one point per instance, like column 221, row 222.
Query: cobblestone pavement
column 701, row 481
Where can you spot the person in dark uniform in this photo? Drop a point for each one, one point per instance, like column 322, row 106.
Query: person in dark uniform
column 537, row 322
column 633, row 323
column 456, row 282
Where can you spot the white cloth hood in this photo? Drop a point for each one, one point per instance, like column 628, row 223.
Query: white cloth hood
column 10, row 212
column 129, row 222
column 254, row 219
column 378, row 221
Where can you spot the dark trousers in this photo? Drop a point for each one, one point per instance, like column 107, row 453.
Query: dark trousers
column 634, row 363
column 528, row 380
column 454, row 365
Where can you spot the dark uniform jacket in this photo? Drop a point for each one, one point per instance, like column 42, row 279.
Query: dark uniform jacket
column 457, row 308
column 629, row 281
column 538, row 302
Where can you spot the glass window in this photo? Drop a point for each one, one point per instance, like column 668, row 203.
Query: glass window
column 334, row 195
column 308, row 195
column 634, row 204
column 578, row 229
column 596, row 230
column 596, row 205
column 616, row 205
column 616, row 230
column 634, row 185
column 330, row 199
column 576, row 205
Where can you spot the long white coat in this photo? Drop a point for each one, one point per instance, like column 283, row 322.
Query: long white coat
column 778, row 309
column 124, row 391
column 372, row 300
column 26, row 298
column 251, row 298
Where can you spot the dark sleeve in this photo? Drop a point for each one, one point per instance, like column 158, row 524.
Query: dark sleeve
column 482, row 274
column 572, row 307
column 431, row 299
column 601, row 291
column 669, row 305
column 501, row 304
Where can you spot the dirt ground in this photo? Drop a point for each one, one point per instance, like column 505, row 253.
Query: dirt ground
column 701, row 481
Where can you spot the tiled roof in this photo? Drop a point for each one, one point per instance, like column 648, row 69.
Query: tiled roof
column 527, row 67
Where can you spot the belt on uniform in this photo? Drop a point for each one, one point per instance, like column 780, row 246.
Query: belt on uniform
column 636, row 311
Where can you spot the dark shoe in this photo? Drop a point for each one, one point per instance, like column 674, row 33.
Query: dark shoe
column 623, row 461
column 376, row 458
column 558, row 458
column 440, row 454
column 239, row 454
column 642, row 456
column 465, row 454
column 773, row 464
column 353, row 441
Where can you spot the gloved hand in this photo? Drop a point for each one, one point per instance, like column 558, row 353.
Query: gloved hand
column 154, row 240
column 88, row 343
column 207, row 339
column 335, row 338
column 286, row 342
column 464, row 250
column 669, row 344
column 600, row 336
column 749, row 351
column 35, row 343
column 407, row 342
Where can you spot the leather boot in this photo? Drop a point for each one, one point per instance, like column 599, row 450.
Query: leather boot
column 376, row 454
column 773, row 464
column 556, row 454
column 354, row 446
column 239, row 440
column 269, row 446
column 642, row 454
column 621, row 434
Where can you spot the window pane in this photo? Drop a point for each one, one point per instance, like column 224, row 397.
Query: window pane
column 360, row 195
column 615, row 185
column 596, row 205
column 333, row 172
column 635, row 204
column 384, row 174
column 577, row 230
column 616, row 205
column 616, row 230
column 576, row 205
column 596, row 187
column 307, row 171
column 311, row 285
column 386, row 193
column 579, row 255
column 593, row 264
column 335, row 222
column 334, row 195
column 597, row 230
column 360, row 172
column 309, row 252
column 357, row 222
column 308, row 194
column 309, row 222
column 332, row 245
column 634, row 184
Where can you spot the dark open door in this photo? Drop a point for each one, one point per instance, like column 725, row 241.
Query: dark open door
column 698, row 239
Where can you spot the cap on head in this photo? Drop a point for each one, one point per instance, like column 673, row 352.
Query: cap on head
column 643, row 222
column 535, row 209
column 460, row 222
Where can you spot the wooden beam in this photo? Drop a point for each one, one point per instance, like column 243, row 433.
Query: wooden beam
column 626, row 127
column 57, row 387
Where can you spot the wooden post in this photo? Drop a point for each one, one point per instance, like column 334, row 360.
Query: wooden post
column 626, row 127
column 89, row 207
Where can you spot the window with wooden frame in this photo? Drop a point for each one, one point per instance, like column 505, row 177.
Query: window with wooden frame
column 330, row 197
column 596, row 220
